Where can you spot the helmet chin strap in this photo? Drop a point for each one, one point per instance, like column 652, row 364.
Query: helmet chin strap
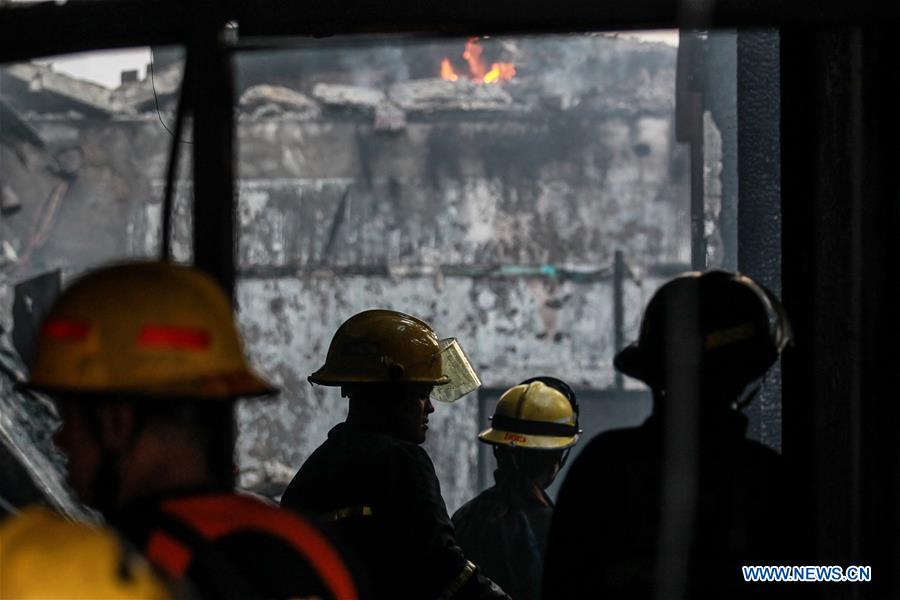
column 536, row 486
column 514, row 468
column 744, row 398
column 106, row 484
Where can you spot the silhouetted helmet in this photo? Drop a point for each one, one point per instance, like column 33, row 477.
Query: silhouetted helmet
column 154, row 330
column 538, row 414
column 722, row 325
column 386, row 346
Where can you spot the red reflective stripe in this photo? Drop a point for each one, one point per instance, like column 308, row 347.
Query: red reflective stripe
column 218, row 515
column 166, row 336
column 65, row 329
column 168, row 554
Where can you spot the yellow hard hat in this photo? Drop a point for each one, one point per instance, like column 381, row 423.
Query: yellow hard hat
column 386, row 346
column 143, row 329
column 42, row 555
column 533, row 415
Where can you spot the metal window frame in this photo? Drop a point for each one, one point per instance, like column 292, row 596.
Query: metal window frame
column 827, row 218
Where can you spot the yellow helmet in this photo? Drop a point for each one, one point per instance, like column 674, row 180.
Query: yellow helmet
column 143, row 329
column 534, row 415
column 386, row 346
column 46, row 556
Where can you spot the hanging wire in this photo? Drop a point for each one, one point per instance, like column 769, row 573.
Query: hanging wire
column 172, row 167
column 156, row 99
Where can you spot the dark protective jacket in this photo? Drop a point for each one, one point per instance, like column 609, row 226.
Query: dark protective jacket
column 230, row 545
column 605, row 536
column 384, row 500
column 504, row 531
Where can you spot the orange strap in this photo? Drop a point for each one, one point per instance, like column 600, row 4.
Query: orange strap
column 217, row 515
column 168, row 553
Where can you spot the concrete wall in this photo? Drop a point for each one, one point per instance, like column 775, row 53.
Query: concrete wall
column 507, row 245
column 498, row 226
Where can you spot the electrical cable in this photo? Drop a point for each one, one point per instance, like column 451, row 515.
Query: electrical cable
column 172, row 167
column 156, row 98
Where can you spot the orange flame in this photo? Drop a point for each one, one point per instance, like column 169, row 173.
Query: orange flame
column 447, row 72
column 472, row 54
column 477, row 67
column 500, row 72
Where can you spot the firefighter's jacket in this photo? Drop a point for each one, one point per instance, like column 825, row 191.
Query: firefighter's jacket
column 234, row 546
column 611, row 517
column 504, row 530
column 384, row 500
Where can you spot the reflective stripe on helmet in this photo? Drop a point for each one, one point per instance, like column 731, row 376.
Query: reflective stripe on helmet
column 170, row 337
column 66, row 329
column 732, row 335
column 527, row 427
column 154, row 331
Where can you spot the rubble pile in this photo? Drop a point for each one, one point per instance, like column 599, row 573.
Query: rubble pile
column 549, row 75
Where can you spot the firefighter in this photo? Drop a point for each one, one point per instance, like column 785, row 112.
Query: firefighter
column 143, row 361
column 673, row 508
column 371, row 477
column 45, row 556
column 504, row 529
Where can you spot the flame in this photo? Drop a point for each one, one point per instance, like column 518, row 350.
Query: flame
column 478, row 70
column 500, row 72
column 447, row 72
column 472, row 54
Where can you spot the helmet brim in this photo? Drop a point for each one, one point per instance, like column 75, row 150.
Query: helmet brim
column 326, row 378
column 631, row 361
column 499, row 437
column 458, row 379
column 228, row 386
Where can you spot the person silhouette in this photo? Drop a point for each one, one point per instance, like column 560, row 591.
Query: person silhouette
column 673, row 508
column 144, row 363
column 371, row 479
column 504, row 528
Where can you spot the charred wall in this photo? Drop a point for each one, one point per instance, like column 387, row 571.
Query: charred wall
column 493, row 212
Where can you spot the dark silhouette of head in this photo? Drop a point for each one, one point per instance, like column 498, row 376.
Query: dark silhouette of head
column 712, row 335
column 400, row 410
